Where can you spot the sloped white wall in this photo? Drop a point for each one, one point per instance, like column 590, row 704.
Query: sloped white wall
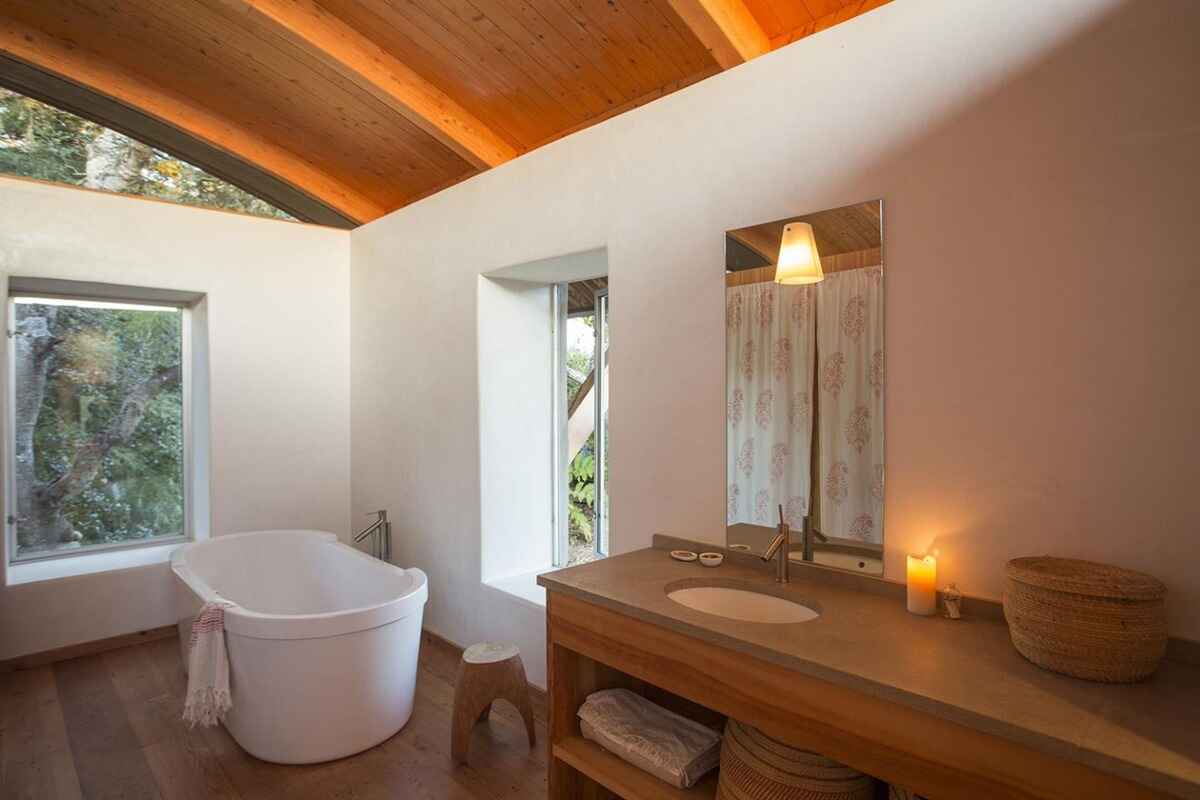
column 278, row 319
column 1038, row 164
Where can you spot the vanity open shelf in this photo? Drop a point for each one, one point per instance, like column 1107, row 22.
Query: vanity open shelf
column 580, row 767
column 592, row 762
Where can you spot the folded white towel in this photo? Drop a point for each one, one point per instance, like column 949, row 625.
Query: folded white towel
column 676, row 749
column 208, row 696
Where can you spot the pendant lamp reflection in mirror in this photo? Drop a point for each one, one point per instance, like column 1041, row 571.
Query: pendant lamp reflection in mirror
column 799, row 262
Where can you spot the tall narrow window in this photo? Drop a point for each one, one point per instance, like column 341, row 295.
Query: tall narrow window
column 581, row 398
column 99, row 425
column 601, row 434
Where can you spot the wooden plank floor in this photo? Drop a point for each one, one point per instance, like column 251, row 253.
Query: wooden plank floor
column 108, row 726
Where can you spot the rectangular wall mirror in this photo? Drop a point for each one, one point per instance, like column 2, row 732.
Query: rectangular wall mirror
column 804, row 386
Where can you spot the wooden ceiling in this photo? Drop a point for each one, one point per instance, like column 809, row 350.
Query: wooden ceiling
column 581, row 295
column 786, row 21
column 343, row 110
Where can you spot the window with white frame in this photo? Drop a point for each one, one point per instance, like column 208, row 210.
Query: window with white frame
column 581, row 425
column 99, row 433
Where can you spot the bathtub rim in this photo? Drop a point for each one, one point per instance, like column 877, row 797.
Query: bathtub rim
column 243, row 621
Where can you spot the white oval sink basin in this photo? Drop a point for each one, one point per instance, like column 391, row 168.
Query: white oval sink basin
column 741, row 604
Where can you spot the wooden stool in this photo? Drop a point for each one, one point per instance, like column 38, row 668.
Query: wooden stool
column 487, row 672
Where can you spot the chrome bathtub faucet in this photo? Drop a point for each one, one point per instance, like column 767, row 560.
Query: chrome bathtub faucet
column 381, row 530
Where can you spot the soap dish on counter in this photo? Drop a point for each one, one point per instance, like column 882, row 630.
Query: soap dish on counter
column 683, row 555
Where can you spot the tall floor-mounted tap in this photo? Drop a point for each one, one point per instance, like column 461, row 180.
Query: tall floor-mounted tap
column 381, row 532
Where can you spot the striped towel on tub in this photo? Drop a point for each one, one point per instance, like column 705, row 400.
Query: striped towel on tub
column 208, row 696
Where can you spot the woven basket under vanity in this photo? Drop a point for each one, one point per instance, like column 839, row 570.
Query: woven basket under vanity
column 757, row 767
column 1092, row 621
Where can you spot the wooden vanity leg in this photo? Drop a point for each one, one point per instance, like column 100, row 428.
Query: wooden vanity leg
column 564, row 696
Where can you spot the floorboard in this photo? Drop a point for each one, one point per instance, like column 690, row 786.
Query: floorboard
column 108, row 726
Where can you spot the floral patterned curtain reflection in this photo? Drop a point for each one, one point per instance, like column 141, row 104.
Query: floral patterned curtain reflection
column 850, row 445
column 769, row 367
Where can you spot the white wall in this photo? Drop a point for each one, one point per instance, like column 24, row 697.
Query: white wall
column 278, row 320
column 1038, row 164
column 516, row 392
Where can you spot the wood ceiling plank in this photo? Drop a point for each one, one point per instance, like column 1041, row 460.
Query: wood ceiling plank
column 768, row 20
column 793, row 13
column 851, row 9
column 608, row 59
column 588, row 65
column 666, row 31
column 507, row 97
column 67, row 59
column 523, row 95
column 625, row 32
column 649, row 97
column 218, row 63
column 627, row 19
column 529, row 31
column 378, row 151
column 329, row 91
column 608, row 41
column 471, row 16
column 377, row 20
column 702, row 58
column 726, row 28
column 344, row 49
column 815, row 9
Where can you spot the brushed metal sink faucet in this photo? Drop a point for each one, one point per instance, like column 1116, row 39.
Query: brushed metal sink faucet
column 781, row 546
column 807, row 533
column 778, row 549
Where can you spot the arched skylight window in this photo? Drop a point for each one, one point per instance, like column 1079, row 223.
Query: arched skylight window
column 44, row 142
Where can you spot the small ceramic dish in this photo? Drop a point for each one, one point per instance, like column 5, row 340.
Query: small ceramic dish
column 683, row 555
column 711, row 559
column 739, row 547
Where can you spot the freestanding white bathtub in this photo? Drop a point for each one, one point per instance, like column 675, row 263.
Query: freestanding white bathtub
column 322, row 638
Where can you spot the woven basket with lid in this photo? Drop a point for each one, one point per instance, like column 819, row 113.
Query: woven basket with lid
column 1089, row 620
column 756, row 767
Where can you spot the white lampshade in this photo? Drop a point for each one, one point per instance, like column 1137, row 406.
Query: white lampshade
column 799, row 261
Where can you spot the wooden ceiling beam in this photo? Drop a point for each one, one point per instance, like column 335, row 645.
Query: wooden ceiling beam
column 307, row 25
column 726, row 28
column 68, row 60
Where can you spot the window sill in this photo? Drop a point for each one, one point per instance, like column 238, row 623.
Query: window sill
column 523, row 587
column 89, row 564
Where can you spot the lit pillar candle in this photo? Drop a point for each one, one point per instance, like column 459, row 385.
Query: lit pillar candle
column 922, row 585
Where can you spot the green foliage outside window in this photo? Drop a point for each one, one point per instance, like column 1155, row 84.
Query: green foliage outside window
column 99, row 425
column 43, row 142
column 581, row 479
column 581, row 494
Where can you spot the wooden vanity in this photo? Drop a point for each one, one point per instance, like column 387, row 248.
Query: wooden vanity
column 945, row 708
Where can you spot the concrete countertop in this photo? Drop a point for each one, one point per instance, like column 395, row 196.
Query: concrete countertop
column 966, row 671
